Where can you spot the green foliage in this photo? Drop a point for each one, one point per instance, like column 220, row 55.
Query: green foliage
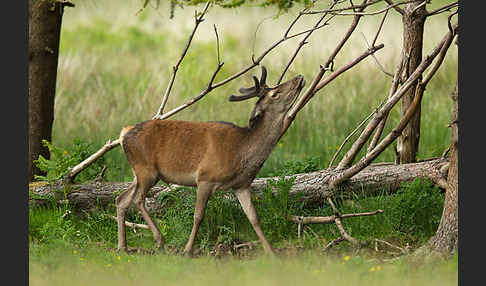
column 48, row 225
column 275, row 206
column 301, row 166
column 61, row 159
column 417, row 208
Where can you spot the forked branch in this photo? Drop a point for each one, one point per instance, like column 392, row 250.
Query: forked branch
column 208, row 88
column 198, row 20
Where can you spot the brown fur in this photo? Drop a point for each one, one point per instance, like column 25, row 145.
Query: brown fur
column 209, row 155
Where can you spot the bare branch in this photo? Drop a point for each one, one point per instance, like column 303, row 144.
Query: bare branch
column 314, row 87
column 303, row 42
column 372, row 13
column 328, row 219
column 352, row 133
column 439, row 60
column 446, row 8
column 376, row 59
column 419, row 6
column 381, row 125
column 352, row 7
column 256, row 62
column 379, row 29
column 398, row 9
column 339, row 225
column 358, row 144
column 198, row 21
column 131, row 224
column 208, row 89
column 73, row 172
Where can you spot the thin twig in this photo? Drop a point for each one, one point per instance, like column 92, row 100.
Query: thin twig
column 376, row 59
column 314, row 87
column 256, row 61
column 398, row 9
column 403, row 250
column 303, row 42
column 443, row 9
column 131, row 224
column 208, row 88
column 354, row 132
column 372, row 13
column 381, row 125
column 355, row 7
column 328, row 219
column 419, row 6
column 198, row 21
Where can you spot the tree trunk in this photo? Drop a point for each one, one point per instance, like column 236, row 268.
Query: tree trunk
column 413, row 32
column 44, row 33
column 312, row 187
column 446, row 237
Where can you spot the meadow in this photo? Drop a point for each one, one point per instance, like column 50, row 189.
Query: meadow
column 114, row 67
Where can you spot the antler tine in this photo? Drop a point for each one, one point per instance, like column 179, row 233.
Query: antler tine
column 263, row 77
column 242, row 97
column 254, row 91
column 250, row 89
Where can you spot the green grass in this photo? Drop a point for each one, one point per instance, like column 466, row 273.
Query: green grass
column 410, row 216
column 79, row 249
column 91, row 267
column 114, row 68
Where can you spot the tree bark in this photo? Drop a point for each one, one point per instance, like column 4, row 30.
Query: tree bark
column 413, row 20
column 311, row 187
column 446, row 237
column 44, row 34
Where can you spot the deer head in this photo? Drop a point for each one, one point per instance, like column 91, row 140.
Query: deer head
column 273, row 102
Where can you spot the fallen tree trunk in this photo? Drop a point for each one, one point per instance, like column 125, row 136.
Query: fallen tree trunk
column 312, row 187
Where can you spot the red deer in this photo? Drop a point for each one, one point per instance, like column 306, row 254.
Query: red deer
column 207, row 155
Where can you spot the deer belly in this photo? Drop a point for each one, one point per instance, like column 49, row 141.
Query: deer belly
column 178, row 178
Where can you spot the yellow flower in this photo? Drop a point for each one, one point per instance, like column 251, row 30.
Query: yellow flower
column 65, row 152
column 128, row 260
column 372, row 269
column 378, row 268
column 74, row 252
column 118, row 257
column 108, row 265
column 347, row 257
column 81, row 259
column 280, row 144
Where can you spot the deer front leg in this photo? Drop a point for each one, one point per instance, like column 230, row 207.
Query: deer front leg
column 204, row 190
column 244, row 196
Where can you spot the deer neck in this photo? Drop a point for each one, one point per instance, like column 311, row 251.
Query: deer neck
column 261, row 140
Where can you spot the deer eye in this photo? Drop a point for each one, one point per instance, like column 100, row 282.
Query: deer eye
column 275, row 94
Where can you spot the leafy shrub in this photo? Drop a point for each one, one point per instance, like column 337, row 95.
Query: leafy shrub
column 417, row 208
column 61, row 159
column 274, row 208
column 298, row 166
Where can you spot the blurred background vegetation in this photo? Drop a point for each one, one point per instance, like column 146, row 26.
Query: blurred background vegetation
column 115, row 63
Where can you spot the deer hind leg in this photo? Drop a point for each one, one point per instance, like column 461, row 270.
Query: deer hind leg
column 204, row 190
column 244, row 196
column 143, row 186
column 122, row 203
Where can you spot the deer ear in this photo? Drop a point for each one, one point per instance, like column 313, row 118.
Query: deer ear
column 255, row 115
